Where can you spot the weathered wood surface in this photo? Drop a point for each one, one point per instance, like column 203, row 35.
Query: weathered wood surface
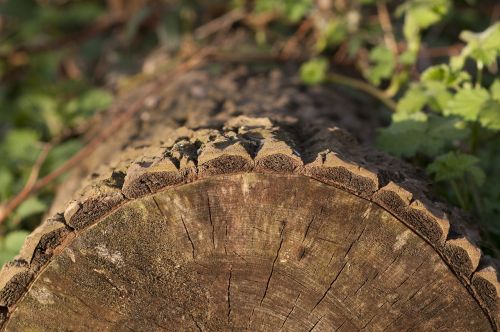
column 257, row 223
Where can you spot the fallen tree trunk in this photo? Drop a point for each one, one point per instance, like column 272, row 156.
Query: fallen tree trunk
column 232, row 201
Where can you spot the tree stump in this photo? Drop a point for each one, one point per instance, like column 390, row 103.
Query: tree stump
column 233, row 201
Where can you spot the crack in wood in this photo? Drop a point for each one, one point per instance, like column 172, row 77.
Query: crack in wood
column 367, row 323
column 436, row 310
column 290, row 312
column 362, row 285
column 331, row 285
column 410, row 275
column 159, row 208
column 327, row 240
column 211, row 222
column 317, row 322
column 98, row 317
column 340, row 326
column 226, row 238
column 260, row 230
column 392, row 262
column 308, row 227
column 189, row 238
column 272, row 269
column 241, row 257
column 355, row 241
column 196, row 323
column 229, row 294
column 109, row 281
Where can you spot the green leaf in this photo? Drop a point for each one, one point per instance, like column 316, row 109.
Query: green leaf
column 408, row 57
column 438, row 95
column 30, row 207
column 484, row 47
column 419, row 15
column 489, row 116
column 413, row 133
column 314, row 71
column 262, row 6
column 457, row 62
column 495, row 89
column 411, row 32
column 454, row 166
column 14, row 240
column 435, row 73
column 402, row 116
column 21, row 144
column 384, row 64
column 354, row 44
column 425, row 15
column 297, row 9
column 413, row 100
column 467, row 103
column 90, row 102
column 36, row 104
column 444, row 74
column 60, row 153
column 402, row 138
column 6, row 182
column 6, row 256
column 333, row 33
column 441, row 133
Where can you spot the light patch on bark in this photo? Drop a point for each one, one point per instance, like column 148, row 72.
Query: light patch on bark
column 366, row 214
column 245, row 187
column 70, row 254
column 114, row 257
column 42, row 295
column 401, row 240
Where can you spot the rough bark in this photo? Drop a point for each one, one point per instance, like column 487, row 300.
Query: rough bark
column 234, row 202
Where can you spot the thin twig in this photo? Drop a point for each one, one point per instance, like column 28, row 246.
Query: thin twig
column 293, row 42
column 6, row 209
column 35, row 170
column 385, row 21
column 220, row 23
column 446, row 51
column 362, row 86
column 436, row 52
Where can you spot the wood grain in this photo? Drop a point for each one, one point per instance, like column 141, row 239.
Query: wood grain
column 240, row 216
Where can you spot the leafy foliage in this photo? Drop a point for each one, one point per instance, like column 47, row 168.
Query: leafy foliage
column 314, row 71
column 483, row 47
column 446, row 117
column 468, row 121
column 455, row 166
column 384, row 64
column 419, row 15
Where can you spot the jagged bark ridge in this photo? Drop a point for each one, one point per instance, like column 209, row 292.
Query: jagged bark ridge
column 250, row 222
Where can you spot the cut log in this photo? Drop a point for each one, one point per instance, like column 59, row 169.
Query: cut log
column 221, row 208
